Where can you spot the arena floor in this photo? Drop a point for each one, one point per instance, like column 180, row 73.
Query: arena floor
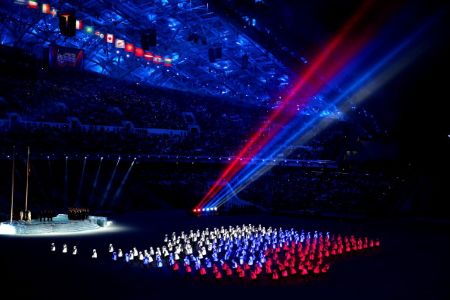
column 412, row 262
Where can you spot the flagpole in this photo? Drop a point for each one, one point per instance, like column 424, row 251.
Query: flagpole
column 28, row 172
column 12, row 185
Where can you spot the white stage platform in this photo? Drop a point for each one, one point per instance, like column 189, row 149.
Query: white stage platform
column 60, row 224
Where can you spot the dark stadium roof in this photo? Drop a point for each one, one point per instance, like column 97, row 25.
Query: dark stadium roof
column 186, row 30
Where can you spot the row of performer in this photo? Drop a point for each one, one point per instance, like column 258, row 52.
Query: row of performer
column 244, row 251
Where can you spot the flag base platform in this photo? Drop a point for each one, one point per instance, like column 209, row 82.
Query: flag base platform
column 60, row 224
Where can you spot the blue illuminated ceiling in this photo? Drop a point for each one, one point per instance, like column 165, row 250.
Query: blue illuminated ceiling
column 175, row 21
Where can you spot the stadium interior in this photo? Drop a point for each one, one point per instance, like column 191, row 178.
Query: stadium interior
column 171, row 115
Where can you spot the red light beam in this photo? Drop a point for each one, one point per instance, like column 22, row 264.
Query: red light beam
column 231, row 169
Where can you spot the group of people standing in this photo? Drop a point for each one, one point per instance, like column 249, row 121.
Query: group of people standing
column 76, row 213
column 24, row 215
column 46, row 215
column 246, row 251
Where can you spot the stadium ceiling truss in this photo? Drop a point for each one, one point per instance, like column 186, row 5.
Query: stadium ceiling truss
column 175, row 21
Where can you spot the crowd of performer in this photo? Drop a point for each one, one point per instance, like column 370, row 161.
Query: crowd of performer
column 46, row 215
column 25, row 215
column 78, row 213
column 245, row 251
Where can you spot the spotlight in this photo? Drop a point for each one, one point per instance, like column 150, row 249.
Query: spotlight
column 203, row 209
column 215, row 208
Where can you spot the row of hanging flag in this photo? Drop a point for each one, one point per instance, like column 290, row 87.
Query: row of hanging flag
column 107, row 37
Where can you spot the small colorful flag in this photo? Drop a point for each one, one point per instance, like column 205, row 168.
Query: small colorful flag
column 167, row 62
column 148, row 56
column 157, row 59
column 120, row 43
column 79, row 24
column 54, row 12
column 139, row 52
column 89, row 29
column 110, row 38
column 46, row 8
column 99, row 34
column 33, row 4
column 129, row 47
